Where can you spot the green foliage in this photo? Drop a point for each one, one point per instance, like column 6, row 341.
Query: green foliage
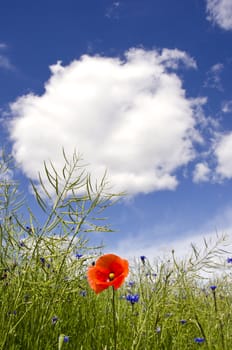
column 45, row 299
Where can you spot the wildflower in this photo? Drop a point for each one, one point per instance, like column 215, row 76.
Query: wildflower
column 199, row 340
column 42, row 260
column 131, row 283
column 183, row 321
column 83, row 293
column 62, row 339
column 78, row 256
column 158, row 329
column 132, row 298
column 229, row 260
column 143, row 258
column 66, row 339
column 21, row 243
column 109, row 270
column 151, row 275
column 54, row 319
column 213, row 288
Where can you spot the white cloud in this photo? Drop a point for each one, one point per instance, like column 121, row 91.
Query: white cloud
column 3, row 46
column 227, row 106
column 4, row 60
column 134, row 247
column 130, row 116
column 213, row 79
column 172, row 59
column 223, row 152
column 201, row 173
column 113, row 10
column 220, row 13
column 217, row 230
column 217, row 68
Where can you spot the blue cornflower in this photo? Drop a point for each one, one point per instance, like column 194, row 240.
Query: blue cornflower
column 131, row 283
column 213, row 288
column 78, row 256
column 54, row 319
column 199, row 340
column 66, row 339
column 183, row 321
column 22, row 244
column 132, row 298
column 83, row 293
column 143, row 258
column 229, row 260
column 42, row 260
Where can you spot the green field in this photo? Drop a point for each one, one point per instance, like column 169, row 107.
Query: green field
column 47, row 303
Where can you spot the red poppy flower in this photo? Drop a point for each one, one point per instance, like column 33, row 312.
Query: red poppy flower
column 109, row 270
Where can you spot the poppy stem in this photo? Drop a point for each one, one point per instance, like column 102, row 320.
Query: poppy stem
column 114, row 319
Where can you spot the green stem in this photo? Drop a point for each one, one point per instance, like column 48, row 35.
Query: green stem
column 114, row 319
column 220, row 322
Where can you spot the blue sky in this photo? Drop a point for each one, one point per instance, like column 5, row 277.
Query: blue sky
column 140, row 88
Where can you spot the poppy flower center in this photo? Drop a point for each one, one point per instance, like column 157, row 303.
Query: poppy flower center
column 111, row 276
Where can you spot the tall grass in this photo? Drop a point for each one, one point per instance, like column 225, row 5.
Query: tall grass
column 46, row 302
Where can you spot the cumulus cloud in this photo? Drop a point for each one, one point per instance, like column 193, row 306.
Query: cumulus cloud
column 220, row 13
column 201, row 173
column 223, row 153
column 130, row 116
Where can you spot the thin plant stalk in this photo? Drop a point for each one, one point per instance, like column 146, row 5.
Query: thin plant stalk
column 114, row 319
column 220, row 322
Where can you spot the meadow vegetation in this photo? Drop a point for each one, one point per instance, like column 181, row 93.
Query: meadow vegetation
column 47, row 303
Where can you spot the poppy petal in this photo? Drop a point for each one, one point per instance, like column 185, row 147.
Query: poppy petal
column 98, row 275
